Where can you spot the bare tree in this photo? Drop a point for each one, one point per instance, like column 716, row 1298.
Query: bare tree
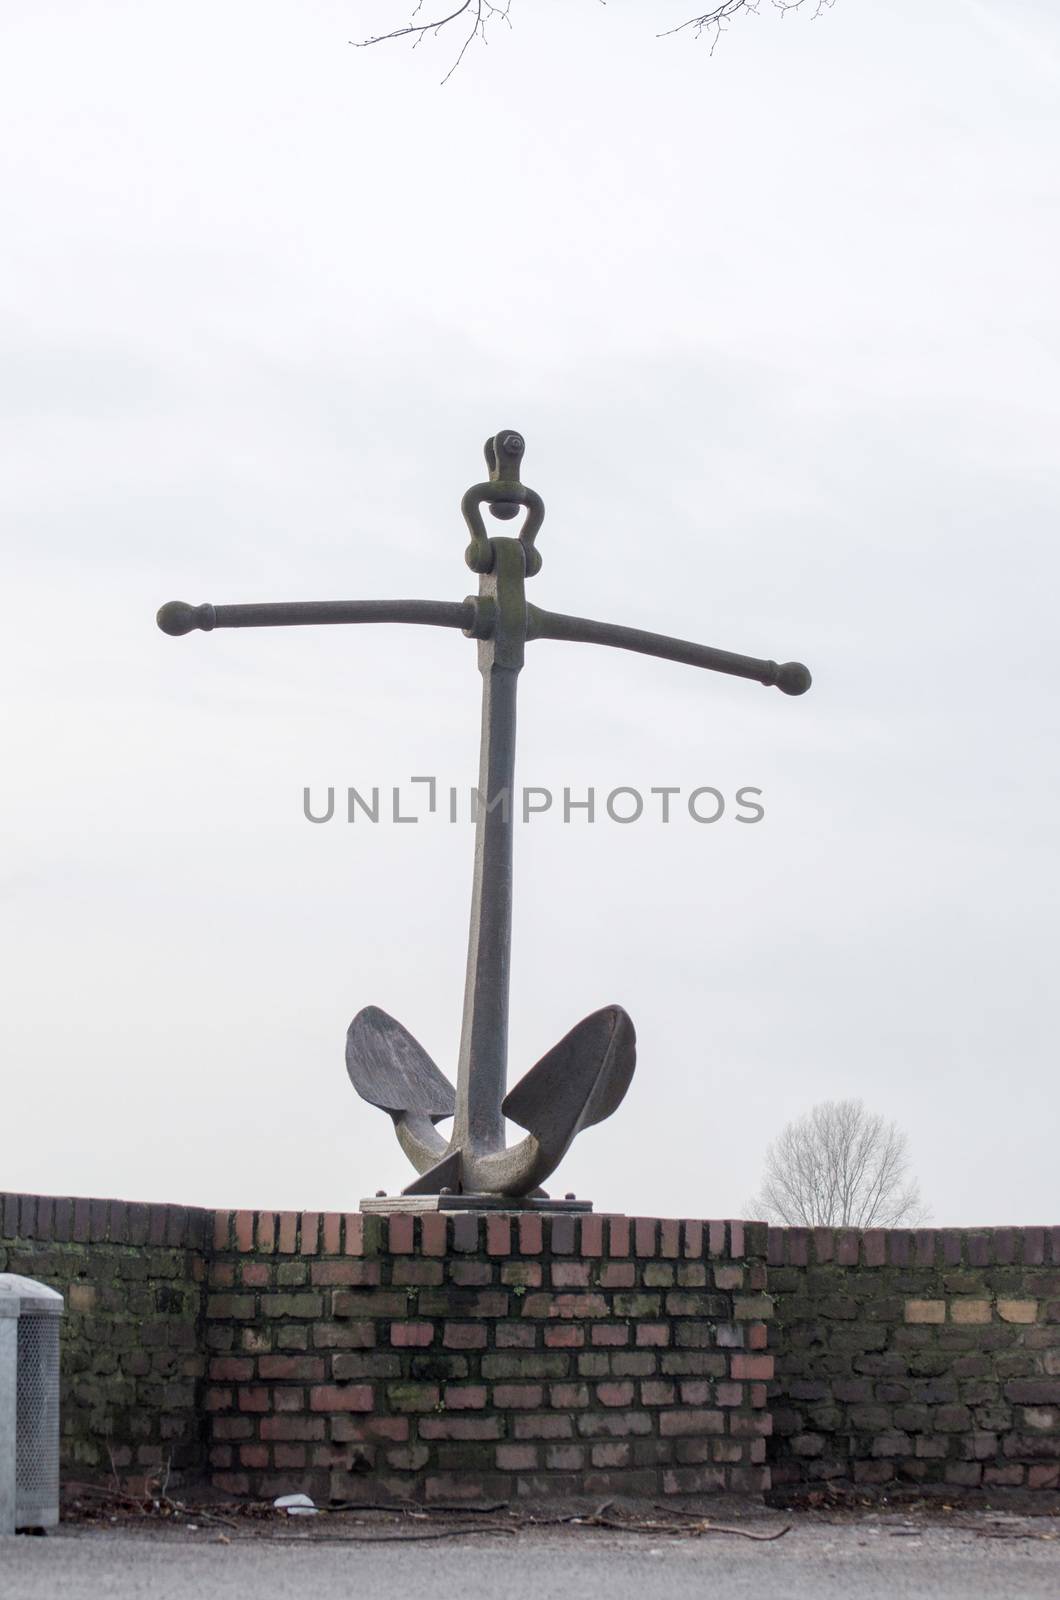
column 474, row 17
column 839, row 1166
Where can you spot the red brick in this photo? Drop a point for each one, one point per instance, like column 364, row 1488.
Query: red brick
column 744, row 1426
column 669, row 1238
column 310, row 1232
column 693, row 1243
column 232, row 1369
column 518, row 1396
column 716, row 1238
column 498, row 1236
column 570, row 1275
column 434, row 1227
column 592, row 1236
column 516, row 1336
column 465, row 1397
column 565, row 1336
column 344, row 1273
column 728, row 1394
column 244, row 1221
column 610, row 1333
column 288, row 1399
column 408, row 1335
column 288, row 1455
column 254, row 1455
column 757, row 1335
column 530, row 1235
column 344, row 1335
column 744, row 1366
column 255, row 1274
column 292, row 1428
column 688, row 1420
column 618, row 1275
column 401, row 1234
column 332, row 1233
column 231, row 1427
column 547, row 1426
column 654, row 1392
column 644, row 1232
column 568, row 1396
column 618, row 1236
column 614, row 1394
column 516, row 1457
column 351, row 1397
column 737, row 1246
column 396, row 1429
column 222, row 1230
column 217, row 1399
column 267, row 1231
column 306, row 1369
column 467, row 1429
column 652, row 1334
column 288, row 1240
column 252, row 1397
column 464, row 1336
column 354, row 1231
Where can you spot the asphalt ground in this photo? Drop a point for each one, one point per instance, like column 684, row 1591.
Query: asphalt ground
column 860, row 1557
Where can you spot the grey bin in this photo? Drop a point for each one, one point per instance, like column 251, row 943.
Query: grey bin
column 29, row 1403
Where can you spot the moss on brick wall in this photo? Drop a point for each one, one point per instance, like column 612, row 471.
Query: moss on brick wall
column 927, row 1359
column 132, row 1351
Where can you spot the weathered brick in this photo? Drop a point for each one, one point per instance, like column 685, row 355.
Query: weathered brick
column 409, row 1335
column 1017, row 1310
column 750, row 1366
column 350, row 1397
column 690, row 1420
column 970, row 1311
column 925, row 1311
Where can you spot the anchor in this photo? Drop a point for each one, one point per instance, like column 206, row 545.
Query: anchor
column 584, row 1077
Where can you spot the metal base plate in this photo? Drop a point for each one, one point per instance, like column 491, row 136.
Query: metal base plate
column 382, row 1204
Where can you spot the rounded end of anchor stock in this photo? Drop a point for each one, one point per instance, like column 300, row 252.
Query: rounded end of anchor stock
column 793, row 678
column 176, row 617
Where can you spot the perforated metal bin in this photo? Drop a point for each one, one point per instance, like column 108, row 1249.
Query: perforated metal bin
column 29, row 1403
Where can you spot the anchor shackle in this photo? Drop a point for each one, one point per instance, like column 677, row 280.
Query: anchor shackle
column 504, row 493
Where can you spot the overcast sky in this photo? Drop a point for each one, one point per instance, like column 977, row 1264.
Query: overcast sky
column 781, row 330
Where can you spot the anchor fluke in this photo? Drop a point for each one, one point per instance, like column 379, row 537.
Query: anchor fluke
column 581, row 1080
column 390, row 1069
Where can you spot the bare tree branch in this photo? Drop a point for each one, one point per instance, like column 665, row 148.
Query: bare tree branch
column 715, row 19
column 839, row 1166
column 479, row 13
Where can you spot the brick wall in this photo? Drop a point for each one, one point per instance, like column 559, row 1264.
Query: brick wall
column 465, row 1358
column 925, row 1359
column 132, row 1336
column 448, row 1357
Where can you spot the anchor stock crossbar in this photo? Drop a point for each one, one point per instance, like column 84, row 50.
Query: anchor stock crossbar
column 583, row 1078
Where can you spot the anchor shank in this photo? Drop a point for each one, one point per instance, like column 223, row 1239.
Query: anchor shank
column 483, row 1066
